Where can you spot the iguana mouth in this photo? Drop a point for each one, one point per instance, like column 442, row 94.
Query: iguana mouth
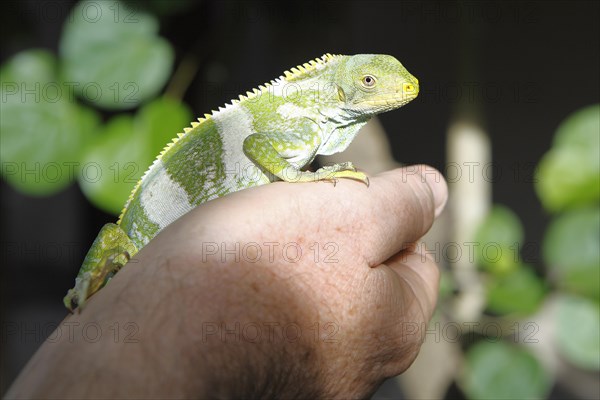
column 396, row 99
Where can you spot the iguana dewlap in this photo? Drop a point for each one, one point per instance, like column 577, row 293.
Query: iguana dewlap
column 269, row 134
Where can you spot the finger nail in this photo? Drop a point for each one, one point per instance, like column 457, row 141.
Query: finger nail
column 438, row 186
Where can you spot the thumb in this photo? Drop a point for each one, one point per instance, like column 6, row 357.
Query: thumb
column 404, row 202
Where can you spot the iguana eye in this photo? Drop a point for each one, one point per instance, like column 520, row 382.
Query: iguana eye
column 368, row 81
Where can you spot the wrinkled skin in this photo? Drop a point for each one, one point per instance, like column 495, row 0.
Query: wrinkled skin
column 178, row 293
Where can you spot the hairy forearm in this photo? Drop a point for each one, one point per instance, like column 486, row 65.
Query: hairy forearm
column 198, row 338
column 175, row 323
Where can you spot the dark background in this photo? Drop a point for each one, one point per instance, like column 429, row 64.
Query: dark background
column 519, row 68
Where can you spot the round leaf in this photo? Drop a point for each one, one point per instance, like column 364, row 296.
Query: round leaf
column 161, row 120
column 498, row 240
column 572, row 253
column 578, row 331
column 502, row 371
column 126, row 148
column 113, row 54
column 580, row 129
column 521, row 291
column 28, row 67
column 113, row 165
column 569, row 174
column 42, row 129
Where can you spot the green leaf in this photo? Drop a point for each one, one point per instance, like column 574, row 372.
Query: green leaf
column 113, row 165
column 578, row 331
column 498, row 240
column 521, row 291
column 580, row 129
column 502, row 371
column 28, row 67
column 42, row 129
column 161, row 120
column 126, row 148
column 114, row 55
column 571, row 251
column 569, row 174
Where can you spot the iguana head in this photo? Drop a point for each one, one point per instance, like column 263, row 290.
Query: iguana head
column 370, row 84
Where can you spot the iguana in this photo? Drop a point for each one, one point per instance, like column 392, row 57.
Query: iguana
column 269, row 134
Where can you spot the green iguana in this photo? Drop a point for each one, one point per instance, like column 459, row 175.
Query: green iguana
column 269, row 134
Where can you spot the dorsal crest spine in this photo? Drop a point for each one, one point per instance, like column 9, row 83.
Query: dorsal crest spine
column 299, row 72
column 308, row 69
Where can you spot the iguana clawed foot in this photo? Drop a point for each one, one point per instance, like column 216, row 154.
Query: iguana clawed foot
column 342, row 170
column 111, row 250
column 92, row 281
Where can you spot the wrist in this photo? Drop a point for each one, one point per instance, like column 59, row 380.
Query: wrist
column 249, row 331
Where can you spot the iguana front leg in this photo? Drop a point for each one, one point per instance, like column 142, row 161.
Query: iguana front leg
column 111, row 250
column 259, row 148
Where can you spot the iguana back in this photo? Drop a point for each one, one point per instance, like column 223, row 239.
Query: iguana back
column 271, row 133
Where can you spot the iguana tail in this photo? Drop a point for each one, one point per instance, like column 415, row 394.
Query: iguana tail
column 110, row 252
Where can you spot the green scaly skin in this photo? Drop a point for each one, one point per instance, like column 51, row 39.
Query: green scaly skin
column 269, row 134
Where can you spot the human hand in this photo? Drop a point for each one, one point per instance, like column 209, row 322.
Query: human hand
column 288, row 289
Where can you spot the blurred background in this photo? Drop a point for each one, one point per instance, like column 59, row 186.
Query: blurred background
column 508, row 111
